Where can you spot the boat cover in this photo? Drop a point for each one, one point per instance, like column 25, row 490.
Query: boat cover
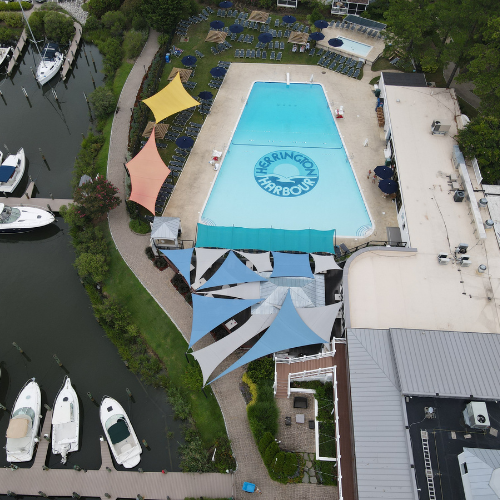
column 119, row 432
column 6, row 172
column 18, row 427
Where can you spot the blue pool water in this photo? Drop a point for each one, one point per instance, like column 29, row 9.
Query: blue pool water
column 358, row 48
column 286, row 167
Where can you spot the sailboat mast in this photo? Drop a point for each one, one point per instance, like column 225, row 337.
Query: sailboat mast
column 26, row 21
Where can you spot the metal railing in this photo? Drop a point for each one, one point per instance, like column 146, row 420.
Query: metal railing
column 302, row 359
column 345, row 256
column 337, row 433
column 307, row 374
column 477, row 172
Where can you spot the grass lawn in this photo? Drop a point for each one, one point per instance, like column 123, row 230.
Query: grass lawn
column 164, row 338
column 382, row 64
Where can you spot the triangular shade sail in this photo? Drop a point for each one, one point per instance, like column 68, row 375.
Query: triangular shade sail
column 170, row 100
column 212, row 356
column 209, row 313
column 287, row 331
column 205, row 257
column 320, row 319
column 232, row 271
column 260, row 260
column 243, row 291
column 291, row 265
column 181, row 259
column 147, row 174
column 323, row 263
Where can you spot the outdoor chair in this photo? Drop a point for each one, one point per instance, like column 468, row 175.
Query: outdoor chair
column 225, row 29
column 320, row 52
column 219, row 11
column 272, row 57
column 199, row 54
column 332, row 66
column 286, row 34
column 181, row 151
column 252, row 38
column 279, row 56
column 282, row 45
column 195, row 125
column 288, row 421
column 337, row 24
column 311, row 53
column 359, row 65
column 229, row 13
column 241, row 37
column 379, row 35
column 179, row 159
column 345, row 70
column 276, row 23
column 353, row 27
column 369, row 33
column 248, row 53
column 233, row 37
column 276, row 45
column 339, row 68
column 264, row 55
column 246, row 24
column 374, row 34
column 320, row 62
column 210, row 10
column 176, row 164
column 263, row 28
column 252, row 54
column 223, row 13
column 257, row 53
column 337, row 251
column 235, row 14
column 351, row 72
column 356, row 73
column 237, row 53
column 174, row 168
column 295, row 27
column 300, row 402
column 280, row 34
column 306, row 29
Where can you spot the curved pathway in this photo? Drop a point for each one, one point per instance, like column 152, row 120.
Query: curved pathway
column 131, row 248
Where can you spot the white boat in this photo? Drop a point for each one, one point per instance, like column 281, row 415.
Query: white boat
column 50, row 64
column 65, row 421
column 23, row 219
column 22, row 433
column 12, row 171
column 119, row 432
column 4, row 53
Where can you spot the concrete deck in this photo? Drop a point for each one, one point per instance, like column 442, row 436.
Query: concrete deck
column 412, row 290
column 359, row 123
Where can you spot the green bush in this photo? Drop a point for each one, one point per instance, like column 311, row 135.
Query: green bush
column 263, row 417
column 326, row 472
column 92, row 24
column 194, row 458
column 224, row 459
column 12, row 19
column 271, row 451
column 133, row 43
column 14, row 6
column 7, row 34
column 181, row 406
column 261, row 370
column 139, row 23
column 98, row 8
column 111, row 48
column 193, row 378
column 264, row 442
column 139, row 226
column 114, row 17
column 58, row 27
column 103, row 102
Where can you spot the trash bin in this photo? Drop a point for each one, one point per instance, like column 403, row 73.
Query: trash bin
column 459, row 196
column 167, row 57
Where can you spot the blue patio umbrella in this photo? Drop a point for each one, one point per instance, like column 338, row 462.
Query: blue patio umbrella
column 317, row 36
column 265, row 37
column 189, row 60
column 217, row 25
column 384, row 172
column 388, row 186
column 236, row 28
column 184, row 142
column 225, row 5
column 205, row 95
column 218, row 72
column 320, row 24
column 288, row 19
column 335, row 42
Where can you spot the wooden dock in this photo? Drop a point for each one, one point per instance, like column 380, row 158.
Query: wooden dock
column 17, row 52
column 26, row 200
column 71, row 54
column 107, row 482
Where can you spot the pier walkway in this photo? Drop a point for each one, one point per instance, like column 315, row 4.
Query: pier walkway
column 17, row 52
column 117, row 484
column 71, row 54
column 26, row 200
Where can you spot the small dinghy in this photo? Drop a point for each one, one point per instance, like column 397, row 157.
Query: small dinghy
column 65, row 421
column 119, row 432
column 22, row 433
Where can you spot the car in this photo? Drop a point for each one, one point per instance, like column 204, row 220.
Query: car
column 41, row 1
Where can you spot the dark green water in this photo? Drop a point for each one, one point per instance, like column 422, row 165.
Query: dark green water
column 44, row 308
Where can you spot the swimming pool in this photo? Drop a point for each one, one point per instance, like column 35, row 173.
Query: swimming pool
column 358, row 48
column 286, row 168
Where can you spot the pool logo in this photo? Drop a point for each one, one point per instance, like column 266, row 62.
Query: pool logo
column 286, row 173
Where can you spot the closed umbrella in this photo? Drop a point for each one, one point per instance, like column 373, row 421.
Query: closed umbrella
column 236, row 28
column 265, row 37
column 205, row 95
column 320, row 24
column 217, row 25
column 288, row 19
column 217, row 72
column 388, row 186
column 225, row 5
column 316, row 36
column 384, row 172
column 184, row 142
column 189, row 60
column 335, row 42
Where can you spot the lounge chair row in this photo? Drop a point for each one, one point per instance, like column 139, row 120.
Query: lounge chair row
column 232, row 13
column 271, row 45
column 257, row 54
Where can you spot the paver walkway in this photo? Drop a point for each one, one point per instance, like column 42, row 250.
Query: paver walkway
column 131, row 248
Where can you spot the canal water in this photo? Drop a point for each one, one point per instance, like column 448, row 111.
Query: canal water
column 45, row 309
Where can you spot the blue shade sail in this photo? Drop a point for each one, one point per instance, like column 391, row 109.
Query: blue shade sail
column 232, row 271
column 286, row 332
column 291, row 265
column 209, row 312
column 181, row 259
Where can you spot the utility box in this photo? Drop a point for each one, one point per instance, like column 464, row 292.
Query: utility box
column 459, row 196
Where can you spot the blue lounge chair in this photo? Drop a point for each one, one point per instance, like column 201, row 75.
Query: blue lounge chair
column 279, row 56
column 272, row 57
column 264, row 55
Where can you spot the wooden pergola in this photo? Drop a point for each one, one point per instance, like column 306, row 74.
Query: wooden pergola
column 216, row 36
column 184, row 74
column 298, row 37
column 258, row 16
column 160, row 130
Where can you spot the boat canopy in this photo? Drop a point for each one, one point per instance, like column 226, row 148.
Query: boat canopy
column 119, row 431
column 6, row 172
column 18, row 427
column 49, row 51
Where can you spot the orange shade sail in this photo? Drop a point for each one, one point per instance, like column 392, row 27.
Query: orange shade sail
column 147, row 174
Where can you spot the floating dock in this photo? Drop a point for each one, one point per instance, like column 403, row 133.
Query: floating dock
column 26, row 200
column 107, row 482
column 17, row 52
column 71, row 54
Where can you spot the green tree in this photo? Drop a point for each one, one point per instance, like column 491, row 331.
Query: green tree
column 131, row 8
column 113, row 55
column 481, row 139
column 376, row 9
column 103, row 101
column 37, row 24
column 92, row 266
column 114, row 17
column 98, row 8
column 163, row 15
column 6, row 34
column 58, row 27
column 133, row 43
column 96, row 198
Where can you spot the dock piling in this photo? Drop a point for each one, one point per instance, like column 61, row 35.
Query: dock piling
column 129, row 394
column 91, row 397
column 2, row 407
column 57, row 360
column 13, row 343
column 25, row 93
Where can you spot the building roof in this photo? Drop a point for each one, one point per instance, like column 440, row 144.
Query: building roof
column 404, row 79
column 481, row 464
column 165, row 227
column 448, row 364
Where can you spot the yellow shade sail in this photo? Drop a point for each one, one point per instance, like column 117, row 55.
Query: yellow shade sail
column 170, row 100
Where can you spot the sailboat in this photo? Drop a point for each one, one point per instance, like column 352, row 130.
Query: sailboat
column 4, row 53
column 22, row 433
column 65, row 421
column 51, row 63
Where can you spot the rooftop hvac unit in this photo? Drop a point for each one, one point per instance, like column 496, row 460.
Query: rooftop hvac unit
column 461, row 248
column 464, row 260
column 443, row 258
column 476, row 415
column 438, row 128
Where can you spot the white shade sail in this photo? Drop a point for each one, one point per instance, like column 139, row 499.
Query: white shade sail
column 320, row 319
column 261, row 261
column 243, row 291
column 205, row 257
column 324, row 263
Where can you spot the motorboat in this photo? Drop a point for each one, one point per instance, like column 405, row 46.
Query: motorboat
column 22, row 432
column 23, row 219
column 65, row 421
column 50, row 64
column 4, row 54
column 119, row 432
column 12, row 171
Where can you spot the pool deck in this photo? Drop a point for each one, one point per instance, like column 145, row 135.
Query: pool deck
column 359, row 123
